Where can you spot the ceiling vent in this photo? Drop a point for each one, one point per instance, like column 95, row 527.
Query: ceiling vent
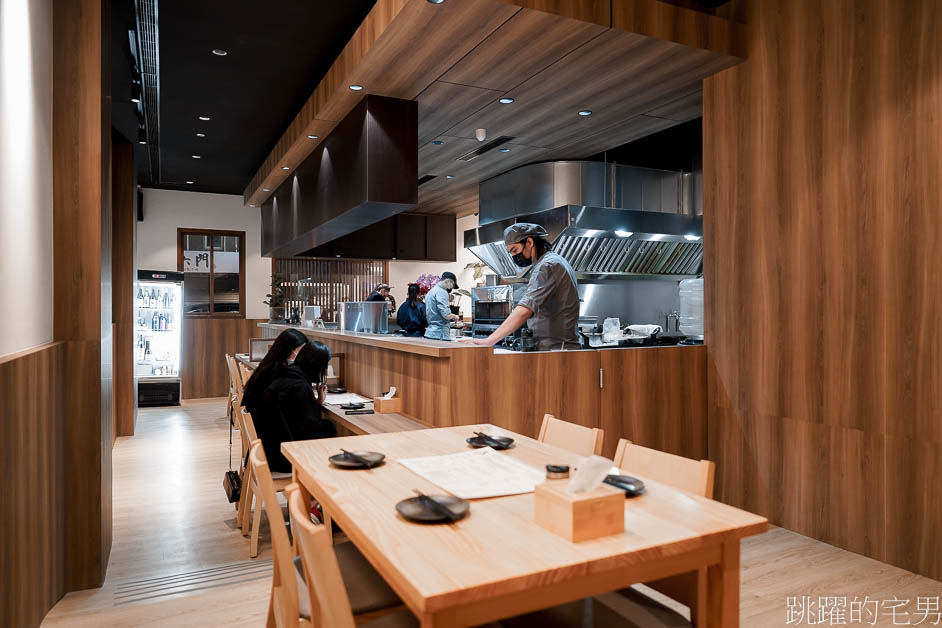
column 486, row 148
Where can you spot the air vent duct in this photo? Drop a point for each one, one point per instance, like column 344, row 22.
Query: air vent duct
column 486, row 148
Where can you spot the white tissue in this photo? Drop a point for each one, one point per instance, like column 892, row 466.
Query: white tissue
column 391, row 393
column 590, row 474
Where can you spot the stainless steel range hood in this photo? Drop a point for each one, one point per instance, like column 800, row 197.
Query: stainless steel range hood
column 653, row 237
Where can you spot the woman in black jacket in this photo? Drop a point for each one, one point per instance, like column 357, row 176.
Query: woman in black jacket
column 281, row 353
column 411, row 316
column 290, row 409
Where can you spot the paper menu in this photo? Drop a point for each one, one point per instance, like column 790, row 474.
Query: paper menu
column 477, row 474
column 340, row 398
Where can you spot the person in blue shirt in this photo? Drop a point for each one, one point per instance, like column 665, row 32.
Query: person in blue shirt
column 437, row 310
column 411, row 315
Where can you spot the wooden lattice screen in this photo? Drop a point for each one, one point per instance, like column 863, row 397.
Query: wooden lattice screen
column 324, row 282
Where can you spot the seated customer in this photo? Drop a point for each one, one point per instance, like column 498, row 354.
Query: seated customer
column 411, row 315
column 281, row 353
column 290, row 409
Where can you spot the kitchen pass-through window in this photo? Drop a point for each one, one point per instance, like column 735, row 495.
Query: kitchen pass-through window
column 213, row 265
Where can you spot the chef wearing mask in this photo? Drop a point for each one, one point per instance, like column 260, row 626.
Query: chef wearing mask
column 550, row 306
column 436, row 308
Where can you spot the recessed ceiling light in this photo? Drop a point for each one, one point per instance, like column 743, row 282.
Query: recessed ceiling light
column 585, row 112
column 356, row 88
column 219, row 52
column 253, row 205
column 505, row 150
column 336, row 256
column 505, row 101
column 437, row 142
column 265, row 190
column 189, row 183
column 449, row 176
column 285, row 168
column 204, row 118
column 200, row 135
column 197, row 157
column 435, row 1
column 312, row 137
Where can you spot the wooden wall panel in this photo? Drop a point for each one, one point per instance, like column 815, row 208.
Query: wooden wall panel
column 33, row 556
column 124, row 215
column 821, row 191
column 656, row 398
column 205, row 343
column 81, row 140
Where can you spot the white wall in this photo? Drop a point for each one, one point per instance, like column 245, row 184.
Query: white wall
column 166, row 210
column 25, row 174
column 401, row 274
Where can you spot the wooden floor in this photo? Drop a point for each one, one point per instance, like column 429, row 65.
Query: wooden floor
column 178, row 560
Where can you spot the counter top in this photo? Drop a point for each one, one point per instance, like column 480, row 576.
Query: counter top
column 421, row 346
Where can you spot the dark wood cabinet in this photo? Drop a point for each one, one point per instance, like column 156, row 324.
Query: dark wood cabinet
column 440, row 238
column 410, row 236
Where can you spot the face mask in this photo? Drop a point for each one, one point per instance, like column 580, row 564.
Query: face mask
column 448, row 290
column 521, row 261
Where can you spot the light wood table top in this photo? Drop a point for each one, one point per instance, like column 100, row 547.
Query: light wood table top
column 497, row 562
column 376, row 423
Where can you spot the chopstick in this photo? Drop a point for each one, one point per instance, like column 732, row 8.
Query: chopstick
column 490, row 440
column 441, row 509
column 366, row 463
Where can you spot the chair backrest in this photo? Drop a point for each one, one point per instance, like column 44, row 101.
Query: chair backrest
column 246, row 424
column 244, row 372
column 235, row 380
column 284, row 583
column 329, row 600
column 578, row 439
column 693, row 476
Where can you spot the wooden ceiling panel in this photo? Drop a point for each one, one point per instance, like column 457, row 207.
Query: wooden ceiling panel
column 442, row 105
column 527, row 43
column 619, row 75
column 627, row 131
column 683, row 109
column 442, row 160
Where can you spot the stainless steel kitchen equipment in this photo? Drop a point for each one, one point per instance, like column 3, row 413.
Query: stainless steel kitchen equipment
column 630, row 234
column 490, row 306
column 364, row 316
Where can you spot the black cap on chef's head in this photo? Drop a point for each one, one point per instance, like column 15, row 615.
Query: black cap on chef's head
column 450, row 275
column 523, row 230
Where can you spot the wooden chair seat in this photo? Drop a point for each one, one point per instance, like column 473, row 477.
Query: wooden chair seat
column 367, row 590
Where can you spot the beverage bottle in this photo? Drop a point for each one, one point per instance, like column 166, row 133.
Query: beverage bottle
column 169, row 322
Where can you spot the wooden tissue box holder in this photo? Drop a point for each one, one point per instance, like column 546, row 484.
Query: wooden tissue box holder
column 579, row 516
column 387, row 406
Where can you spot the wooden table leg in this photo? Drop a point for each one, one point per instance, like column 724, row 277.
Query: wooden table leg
column 723, row 588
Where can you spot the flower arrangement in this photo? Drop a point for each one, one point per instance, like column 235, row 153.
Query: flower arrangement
column 426, row 282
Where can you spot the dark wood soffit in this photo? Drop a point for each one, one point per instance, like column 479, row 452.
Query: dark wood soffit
column 388, row 58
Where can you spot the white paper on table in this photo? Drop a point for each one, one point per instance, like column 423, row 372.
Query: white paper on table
column 340, row 398
column 477, row 474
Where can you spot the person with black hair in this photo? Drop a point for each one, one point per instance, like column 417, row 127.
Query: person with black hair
column 290, row 409
column 281, row 353
column 411, row 315
column 550, row 306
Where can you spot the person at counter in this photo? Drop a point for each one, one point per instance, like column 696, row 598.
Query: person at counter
column 281, row 353
column 437, row 310
column 289, row 409
column 550, row 306
column 381, row 293
column 411, row 315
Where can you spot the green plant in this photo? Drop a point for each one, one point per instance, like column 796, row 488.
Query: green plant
column 276, row 298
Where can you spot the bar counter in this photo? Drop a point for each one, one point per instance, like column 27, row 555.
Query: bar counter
column 653, row 396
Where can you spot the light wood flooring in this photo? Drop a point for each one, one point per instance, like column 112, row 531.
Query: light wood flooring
column 178, row 560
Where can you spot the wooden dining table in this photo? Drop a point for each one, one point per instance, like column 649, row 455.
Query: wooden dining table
column 497, row 562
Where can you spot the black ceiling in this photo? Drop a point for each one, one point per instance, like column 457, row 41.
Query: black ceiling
column 277, row 54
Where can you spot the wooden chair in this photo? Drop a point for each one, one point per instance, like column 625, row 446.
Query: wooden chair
column 235, row 388
column 250, row 488
column 289, row 609
column 578, row 439
column 693, row 476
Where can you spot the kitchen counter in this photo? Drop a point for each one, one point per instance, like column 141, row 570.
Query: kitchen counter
column 653, row 396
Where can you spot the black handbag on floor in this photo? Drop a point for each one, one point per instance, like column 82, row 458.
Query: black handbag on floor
column 231, row 482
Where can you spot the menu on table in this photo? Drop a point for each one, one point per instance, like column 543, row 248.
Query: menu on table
column 477, row 474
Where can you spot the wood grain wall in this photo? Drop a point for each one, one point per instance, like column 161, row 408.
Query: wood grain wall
column 822, row 183
column 205, row 344
column 32, row 484
column 81, row 140
column 124, row 215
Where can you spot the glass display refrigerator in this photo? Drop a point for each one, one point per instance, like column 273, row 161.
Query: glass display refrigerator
column 158, row 316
